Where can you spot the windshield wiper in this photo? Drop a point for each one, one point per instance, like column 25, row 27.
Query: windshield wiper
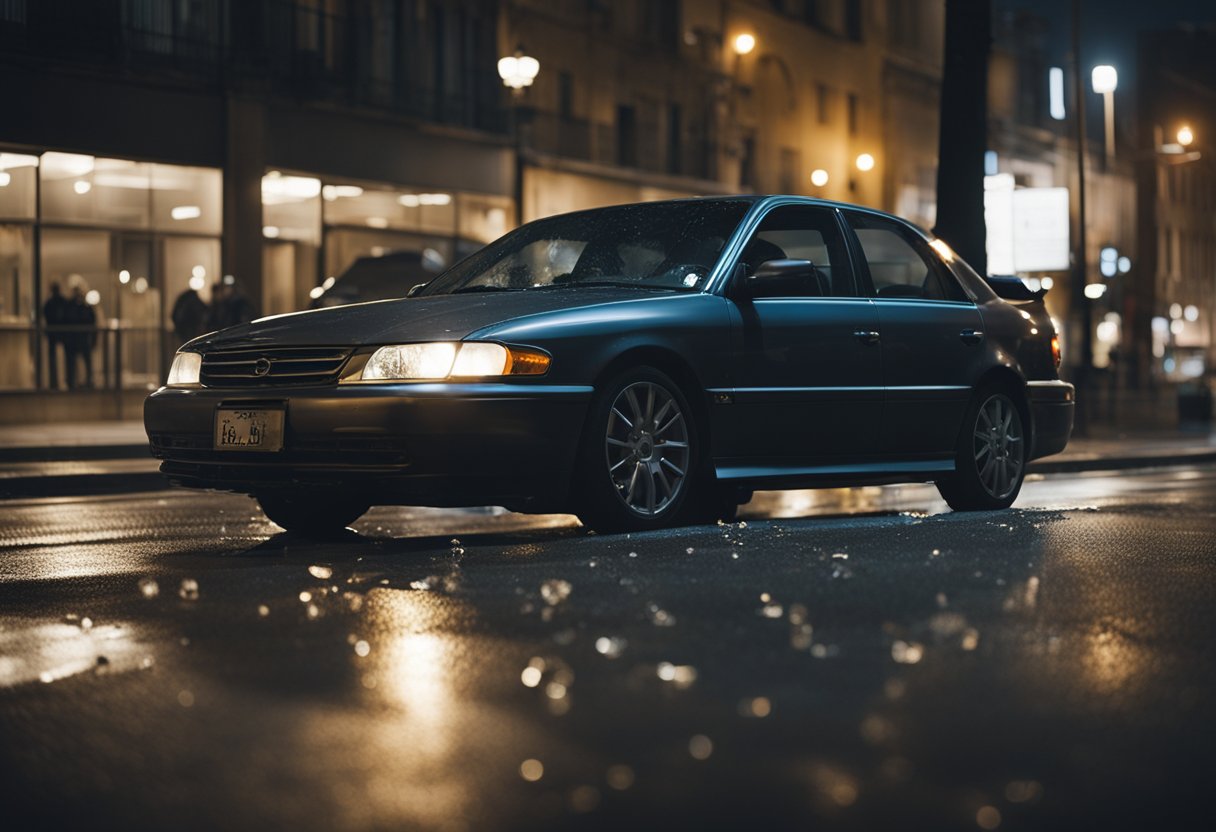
column 482, row 287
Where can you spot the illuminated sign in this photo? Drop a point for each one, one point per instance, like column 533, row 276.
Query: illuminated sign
column 1027, row 227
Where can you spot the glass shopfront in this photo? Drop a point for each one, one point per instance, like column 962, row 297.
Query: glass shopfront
column 316, row 229
column 94, row 252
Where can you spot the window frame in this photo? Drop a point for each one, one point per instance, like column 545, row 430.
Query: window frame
column 847, row 262
column 918, row 243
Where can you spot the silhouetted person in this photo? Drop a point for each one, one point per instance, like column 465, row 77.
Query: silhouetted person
column 229, row 307
column 54, row 312
column 81, row 338
column 190, row 314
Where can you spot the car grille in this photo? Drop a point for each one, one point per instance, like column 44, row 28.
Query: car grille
column 273, row 367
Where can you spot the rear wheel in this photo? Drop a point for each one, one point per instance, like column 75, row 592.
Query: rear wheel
column 312, row 515
column 639, row 461
column 990, row 460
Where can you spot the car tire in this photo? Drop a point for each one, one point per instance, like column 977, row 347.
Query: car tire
column 639, row 464
column 991, row 455
column 311, row 515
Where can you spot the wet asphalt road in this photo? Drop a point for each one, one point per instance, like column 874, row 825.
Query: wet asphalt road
column 858, row 660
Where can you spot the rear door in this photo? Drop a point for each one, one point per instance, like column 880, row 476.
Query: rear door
column 807, row 369
column 931, row 335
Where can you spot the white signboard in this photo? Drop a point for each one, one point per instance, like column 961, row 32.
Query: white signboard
column 1027, row 227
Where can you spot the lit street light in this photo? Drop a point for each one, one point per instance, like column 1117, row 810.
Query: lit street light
column 1106, row 81
column 518, row 71
column 744, row 43
column 1185, row 136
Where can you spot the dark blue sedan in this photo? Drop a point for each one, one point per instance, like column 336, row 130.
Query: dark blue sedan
column 639, row 366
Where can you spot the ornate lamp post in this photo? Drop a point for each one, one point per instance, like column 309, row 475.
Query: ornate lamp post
column 517, row 72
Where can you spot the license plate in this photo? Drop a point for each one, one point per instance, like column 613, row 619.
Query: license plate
column 248, row 429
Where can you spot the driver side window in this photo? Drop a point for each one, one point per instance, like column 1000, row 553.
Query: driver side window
column 800, row 232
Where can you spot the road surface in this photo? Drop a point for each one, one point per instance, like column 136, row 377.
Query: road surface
column 844, row 659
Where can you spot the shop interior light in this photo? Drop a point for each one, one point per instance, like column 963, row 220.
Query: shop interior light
column 745, row 42
column 278, row 188
column 186, row 212
column 1185, row 136
column 5, row 178
column 82, row 186
column 819, row 177
column 1093, row 291
column 865, row 162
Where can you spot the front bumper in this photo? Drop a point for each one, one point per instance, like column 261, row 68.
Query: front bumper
column 433, row 444
column 1052, row 404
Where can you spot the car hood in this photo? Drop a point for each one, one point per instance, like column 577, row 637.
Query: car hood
column 437, row 318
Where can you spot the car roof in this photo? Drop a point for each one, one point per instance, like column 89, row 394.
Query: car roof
column 752, row 199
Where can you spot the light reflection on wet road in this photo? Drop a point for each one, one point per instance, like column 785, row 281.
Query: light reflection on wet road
column 843, row 658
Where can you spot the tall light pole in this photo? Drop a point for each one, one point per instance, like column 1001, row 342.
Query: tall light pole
column 1106, row 81
column 1083, row 314
column 517, row 72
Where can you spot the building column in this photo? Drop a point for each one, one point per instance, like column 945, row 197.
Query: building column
column 244, row 165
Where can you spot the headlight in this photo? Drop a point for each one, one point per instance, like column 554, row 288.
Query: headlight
column 185, row 369
column 446, row 359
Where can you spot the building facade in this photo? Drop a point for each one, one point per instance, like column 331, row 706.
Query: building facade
column 153, row 152
column 1175, row 302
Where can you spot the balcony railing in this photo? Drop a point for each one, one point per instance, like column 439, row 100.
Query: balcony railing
column 421, row 68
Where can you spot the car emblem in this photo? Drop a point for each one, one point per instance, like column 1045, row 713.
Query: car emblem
column 261, row 367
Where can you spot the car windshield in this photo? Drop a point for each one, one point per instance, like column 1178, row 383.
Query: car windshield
column 661, row 245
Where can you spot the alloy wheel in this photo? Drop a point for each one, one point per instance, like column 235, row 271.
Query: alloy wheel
column 999, row 446
column 646, row 448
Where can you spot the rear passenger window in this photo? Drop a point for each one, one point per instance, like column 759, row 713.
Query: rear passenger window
column 801, row 232
column 900, row 262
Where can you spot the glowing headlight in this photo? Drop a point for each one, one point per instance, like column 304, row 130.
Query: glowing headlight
column 442, row 360
column 481, row 360
column 411, row 361
column 185, row 369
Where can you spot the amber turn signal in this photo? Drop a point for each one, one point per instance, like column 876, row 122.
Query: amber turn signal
column 524, row 362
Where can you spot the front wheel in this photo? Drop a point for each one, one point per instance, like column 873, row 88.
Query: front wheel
column 638, row 463
column 990, row 460
column 311, row 515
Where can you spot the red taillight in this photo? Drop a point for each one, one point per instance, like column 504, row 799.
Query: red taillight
column 1055, row 350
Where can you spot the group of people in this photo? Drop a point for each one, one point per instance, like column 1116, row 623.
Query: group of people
column 71, row 324
column 192, row 316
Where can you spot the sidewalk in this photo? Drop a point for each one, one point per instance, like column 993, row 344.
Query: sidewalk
column 65, row 459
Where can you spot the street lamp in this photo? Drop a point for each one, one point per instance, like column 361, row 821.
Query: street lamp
column 1185, row 136
column 517, row 72
column 1106, row 81
column 744, row 43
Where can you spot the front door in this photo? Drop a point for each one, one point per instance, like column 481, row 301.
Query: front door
column 808, row 386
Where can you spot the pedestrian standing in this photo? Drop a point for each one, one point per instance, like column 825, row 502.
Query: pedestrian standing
column 54, row 313
column 81, row 337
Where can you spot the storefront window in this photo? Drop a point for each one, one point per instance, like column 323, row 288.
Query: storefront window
column 186, row 199
column 18, row 340
column 86, row 190
column 18, row 186
column 118, row 241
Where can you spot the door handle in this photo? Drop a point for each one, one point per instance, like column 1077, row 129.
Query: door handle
column 971, row 336
column 867, row 336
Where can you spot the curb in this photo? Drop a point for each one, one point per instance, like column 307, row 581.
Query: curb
column 1077, row 466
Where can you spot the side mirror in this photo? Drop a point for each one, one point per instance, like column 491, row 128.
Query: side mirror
column 770, row 269
column 416, row 288
column 785, row 278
